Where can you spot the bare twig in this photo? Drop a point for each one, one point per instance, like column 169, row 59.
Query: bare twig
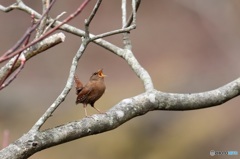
column 70, row 29
column 128, row 55
column 22, row 59
column 110, row 33
column 32, row 51
column 135, row 6
column 141, row 72
column 68, row 85
column 134, row 11
column 9, row 8
column 73, row 15
column 73, row 30
column 2, row 85
column 90, row 18
column 5, row 56
column 54, row 20
column 29, row 35
column 124, row 13
column 65, row 91
column 42, row 26
column 93, row 13
column 126, row 39
column 66, row 27
column 138, row 69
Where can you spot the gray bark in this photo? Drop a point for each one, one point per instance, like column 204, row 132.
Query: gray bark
column 125, row 110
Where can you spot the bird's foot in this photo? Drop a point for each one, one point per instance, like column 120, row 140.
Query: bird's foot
column 87, row 116
column 103, row 113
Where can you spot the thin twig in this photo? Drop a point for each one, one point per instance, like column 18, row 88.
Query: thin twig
column 124, row 12
column 110, row 33
column 54, row 20
column 23, row 60
column 42, row 26
column 40, row 47
column 126, row 40
column 73, row 15
column 138, row 69
column 65, row 91
column 137, row 4
column 93, row 13
column 2, row 84
column 71, row 29
column 134, row 11
column 5, row 56
column 69, row 83
column 9, row 8
column 90, row 18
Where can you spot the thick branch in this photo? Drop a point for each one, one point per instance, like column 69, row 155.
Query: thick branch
column 127, row 109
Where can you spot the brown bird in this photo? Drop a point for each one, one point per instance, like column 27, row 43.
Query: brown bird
column 92, row 91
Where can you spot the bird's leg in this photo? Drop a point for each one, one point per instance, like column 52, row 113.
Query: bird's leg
column 99, row 111
column 85, row 109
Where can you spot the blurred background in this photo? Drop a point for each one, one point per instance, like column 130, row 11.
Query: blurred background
column 187, row 46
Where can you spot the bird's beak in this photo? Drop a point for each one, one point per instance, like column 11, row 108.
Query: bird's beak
column 100, row 73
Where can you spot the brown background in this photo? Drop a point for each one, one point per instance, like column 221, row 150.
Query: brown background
column 187, row 46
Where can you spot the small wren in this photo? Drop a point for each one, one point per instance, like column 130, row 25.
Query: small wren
column 92, row 91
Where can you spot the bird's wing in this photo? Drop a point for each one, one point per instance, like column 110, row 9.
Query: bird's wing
column 83, row 94
column 78, row 84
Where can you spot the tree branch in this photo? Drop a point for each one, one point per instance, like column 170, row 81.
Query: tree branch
column 22, row 60
column 26, row 35
column 138, row 69
column 9, row 8
column 79, row 9
column 135, row 5
column 68, row 86
column 125, row 54
column 126, row 39
column 124, row 12
column 65, row 91
column 68, row 28
column 32, row 51
column 90, row 18
column 36, row 140
column 125, row 110
column 42, row 25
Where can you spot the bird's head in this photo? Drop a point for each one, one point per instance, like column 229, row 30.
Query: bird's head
column 97, row 75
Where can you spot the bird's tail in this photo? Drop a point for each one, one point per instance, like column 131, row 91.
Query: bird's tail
column 78, row 84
